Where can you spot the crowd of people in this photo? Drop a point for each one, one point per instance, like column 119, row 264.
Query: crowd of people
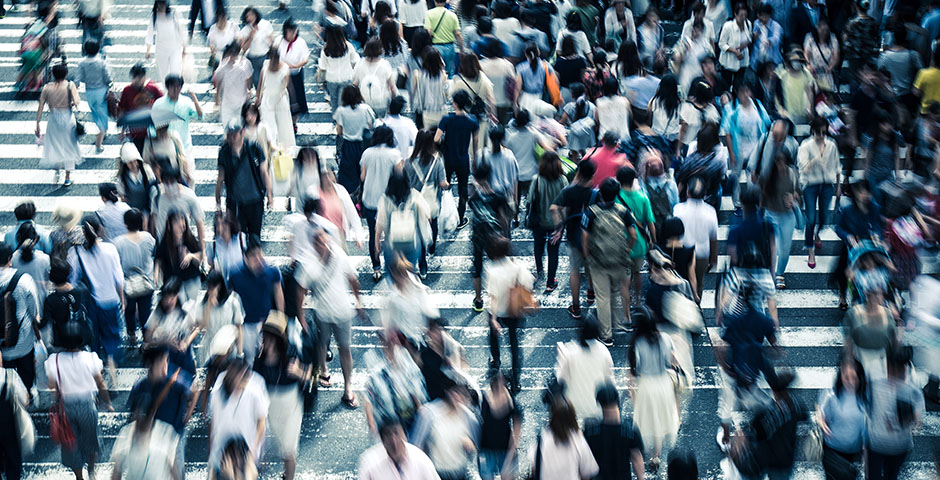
column 574, row 121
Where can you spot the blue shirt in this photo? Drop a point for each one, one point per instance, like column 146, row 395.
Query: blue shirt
column 931, row 23
column 458, row 132
column 860, row 225
column 752, row 229
column 256, row 291
column 44, row 245
column 845, row 416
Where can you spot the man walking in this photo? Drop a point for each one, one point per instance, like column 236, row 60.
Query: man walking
column 458, row 130
column 186, row 108
column 259, row 286
column 243, row 170
column 701, row 230
column 635, row 200
column 566, row 210
column 17, row 346
column 444, row 28
column 615, row 445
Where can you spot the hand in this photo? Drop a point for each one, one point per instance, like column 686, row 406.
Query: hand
column 495, row 325
column 825, row 428
column 270, row 201
column 38, row 132
column 740, row 55
column 555, row 238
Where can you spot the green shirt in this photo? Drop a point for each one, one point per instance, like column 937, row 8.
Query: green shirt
column 637, row 202
column 446, row 31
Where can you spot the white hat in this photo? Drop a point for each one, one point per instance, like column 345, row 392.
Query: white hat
column 223, row 341
column 129, row 153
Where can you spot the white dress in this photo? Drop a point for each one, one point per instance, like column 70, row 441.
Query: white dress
column 166, row 36
column 275, row 107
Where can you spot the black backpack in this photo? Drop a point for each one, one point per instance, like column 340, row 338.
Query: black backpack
column 8, row 321
column 76, row 325
column 659, row 201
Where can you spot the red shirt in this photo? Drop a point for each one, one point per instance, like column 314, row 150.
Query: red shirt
column 608, row 161
column 134, row 98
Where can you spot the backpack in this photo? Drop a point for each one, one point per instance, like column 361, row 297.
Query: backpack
column 76, row 324
column 659, row 201
column 374, row 91
column 402, row 225
column 486, row 220
column 608, row 242
column 478, row 107
column 11, row 326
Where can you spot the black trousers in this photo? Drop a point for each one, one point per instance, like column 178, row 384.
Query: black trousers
column 838, row 465
column 11, row 459
column 542, row 240
column 462, row 170
column 250, row 217
column 512, row 325
column 884, row 467
column 25, row 366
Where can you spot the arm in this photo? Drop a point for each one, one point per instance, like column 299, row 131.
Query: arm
column 260, row 88
column 42, row 105
column 103, row 392
column 278, row 297
column 266, row 178
column 732, row 159
column 195, row 100
column 220, row 179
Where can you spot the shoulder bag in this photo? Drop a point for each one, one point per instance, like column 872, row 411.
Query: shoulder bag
column 60, row 430
column 429, row 192
column 552, row 86
column 79, row 126
column 521, row 300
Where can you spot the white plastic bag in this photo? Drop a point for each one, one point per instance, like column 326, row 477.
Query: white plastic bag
column 448, row 218
column 190, row 73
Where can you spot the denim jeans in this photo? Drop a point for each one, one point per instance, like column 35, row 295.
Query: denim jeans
column 784, row 223
column 137, row 311
column 370, row 214
column 449, row 55
column 98, row 104
column 816, row 198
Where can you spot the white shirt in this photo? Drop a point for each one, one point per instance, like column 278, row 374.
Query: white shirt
column 330, row 286
column 502, row 275
column 166, row 31
column 102, row 268
column 498, row 70
column 111, row 215
column 297, row 53
column 733, row 36
column 219, row 38
column 708, row 32
column 693, row 117
column 412, row 13
column 405, row 132
column 663, row 124
column 613, row 115
column 381, row 69
column 339, row 69
column 583, row 370
column 701, row 225
column 147, row 458
column 505, row 28
column 14, row 386
column 614, row 27
column 262, row 41
column 237, row 415
column 581, row 44
column 818, row 166
column 78, row 370
column 572, row 460
column 375, row 464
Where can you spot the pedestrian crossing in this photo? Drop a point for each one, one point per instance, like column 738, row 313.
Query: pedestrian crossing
column 332, row 436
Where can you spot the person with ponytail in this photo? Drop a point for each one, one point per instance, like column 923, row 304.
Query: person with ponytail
column 531, row 78
column 112, row 212
column 28, row 258
column 502, row 162
column 96, row 265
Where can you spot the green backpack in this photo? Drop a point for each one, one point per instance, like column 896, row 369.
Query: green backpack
column 608, row 241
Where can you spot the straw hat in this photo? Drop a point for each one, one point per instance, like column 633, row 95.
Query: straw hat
column 796, row 54
column 276, row 324
column 129, row 153
column 66, row 217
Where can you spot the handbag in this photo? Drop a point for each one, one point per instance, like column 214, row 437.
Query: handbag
column 24, row 424
column 682, row 312
column 138, row 284
column 429, row 192
column 552, row 86
column 112, row 100
column 521, row 300
column 813, row 445
column 283, row 165
column 60, row 430
column 79, row 126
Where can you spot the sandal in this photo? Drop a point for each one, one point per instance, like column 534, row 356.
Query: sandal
column 376, row 274
column 351, row 403
column 325, row 381
column 843, row 306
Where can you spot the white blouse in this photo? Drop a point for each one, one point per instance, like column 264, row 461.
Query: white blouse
column 294, row 52
column 339, row 69
column 220, row 38
column 261, row 42
column 166, row 31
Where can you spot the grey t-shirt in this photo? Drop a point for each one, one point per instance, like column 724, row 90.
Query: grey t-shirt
column 136, row 258
column 885, row 433
column 417, row 173
column 354, row 120
column 183, row 200
column 377, row 162
column 522, row 143
column 903, row 66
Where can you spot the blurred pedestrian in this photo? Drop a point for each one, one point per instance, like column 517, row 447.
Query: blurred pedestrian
column 616, row 446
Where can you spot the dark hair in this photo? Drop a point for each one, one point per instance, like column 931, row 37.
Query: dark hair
column 419, row 42
column 696, row 188
column 742, row 6
column 483, row 172
column 26, row 238
column 628, row 60
column 152, row 353
column 898, row 358
column 644, row 324
column 288, row 25
column 138, row 70
column 470, row 66
column 562, row 421
column 60, row 71
column 250, row 107
column 765, row 9
column 253, row 10
column 91, row 48
column 590, row 330
column 707, row 138
column 399, row 188
column 607, row 394
column 170, row 240
column 311, row 206
column 432, row 62
column 567, row 46
column 484, row 25
column 253, row 244
column 383, row 135
column 550, row 166
column 610, row 139
column 25, row 210
column 462, row 99
column 134, row 220
column 91, row 225
column 396, row 105
column 531, row 52
column 609, row 189
column 701, row 92
column 153, row 15
column 304, row 154
column 59, row 271
column 389, row 426
column 750, row 196
column 235, row 368
column 682, row 462
column 108, row 191
column 424, row 148
column 673, row 227
column 497, row 135
column 611, row 87
column 335, row 44
column 819, row 125
column 391, row 40
column 498, row 248
column 586, row 169
column 698, row 7
column 351, row 96
column 274, row 59
column 232, row 49
column 626, row 175
column 381, row 12
column 861, row 388
column 372, row 48
column 581, row 105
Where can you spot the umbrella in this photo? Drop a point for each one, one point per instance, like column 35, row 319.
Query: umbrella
column 146, row 117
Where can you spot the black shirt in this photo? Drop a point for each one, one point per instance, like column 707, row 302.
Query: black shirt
column 172, row 409
column 543, row 13
column 774, row 429
column 242, row 173
column 575, row 198
column 570, row 70
column 612, row 446
column 681, row 259
column 432, row 367
column 168, row 258
column 57, row 310
column 496, row 430
column 491, row 213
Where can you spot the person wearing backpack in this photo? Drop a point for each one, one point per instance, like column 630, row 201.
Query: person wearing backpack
column 243, row 169
column 375, row 78
column 403, row 220
column 632, row 197
column 753, row 229
column 376, row 166
column 65, row 308
column 13, row 397
column 607, row 240
column 660, row 188
column 19, row 334
column 567, row 209
column 491, row 215
column 25, row 212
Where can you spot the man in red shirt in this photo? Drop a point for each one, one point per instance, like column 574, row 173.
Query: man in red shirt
column 141, row 93
column 607, row 159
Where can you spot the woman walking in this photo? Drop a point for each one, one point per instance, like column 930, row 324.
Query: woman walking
column 502, row 275
column 94, row 73
column 82, row 391
column 583, row 366
column 294, row 52
column 170, row 326
column 430, row 87
column 273, row 101
column 664, row 108
column 304, row 183
column 841, row 417
column 215, row 309
column 353, row 118
column 136, row 249
column 337, row 61
column 500, row 429
column 402, row 220
column 426, row 173
column 822, row 54
column 60, row 143
column 178, row 255
column 544, row 189
column 374, row 77
column 257, row 38
column 238, row 407
column 819, row 169
column 563, row 452
column 166, row 35
column 134, row 181
column 781, row 196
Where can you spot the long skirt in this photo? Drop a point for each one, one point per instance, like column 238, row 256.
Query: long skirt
column 60, row 144
column 83, row 418
column 106, row 322
column 275, row 115
column 169, row 61
column 256, row 64
column 285, row 416
column 349, row 155
column 297, row 94
column 655, row 413
column 99, row 106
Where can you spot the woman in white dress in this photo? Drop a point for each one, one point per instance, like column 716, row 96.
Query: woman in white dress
column 60, row 145
column 583, row 366
column 613, row 110
column 238, row 407
column 295, row 53
column 221, row 34
column 273, row 101
column 166, row 35
column 688, row 53
column 214, row 309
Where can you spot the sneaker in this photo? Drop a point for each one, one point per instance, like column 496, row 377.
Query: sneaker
column 67, row 183
column 376, row 274
column 590, row 297
column 575, row 312
column 780, row 282
column 738, row 211
column 423, row 274
column 724, row 446
column 3, row 14
column 463, row 223
column 478, row 305
column 608, row 342
column 624, row 327
column 551, row 286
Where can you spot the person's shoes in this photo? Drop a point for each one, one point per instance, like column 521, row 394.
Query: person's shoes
column 463, row 223
column 376, row 274
column 494, row 365
column 738, row 211
column 282, row 6
column 624, row 327
column 432, row 249
column 780, row 282
column 551, row 286
column 515, row 224
column 654, row 465
column 56, row 177
column 478, row 305
column 68, row 183
column 608, row 342
column 329, row 355
column 575, row 312
column 99, row 149
column 423, row 274
column 590, row 297
column 3, row 14
column 723, row 444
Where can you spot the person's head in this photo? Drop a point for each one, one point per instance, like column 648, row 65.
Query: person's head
column 673, row 228
column 391, row 40
column 289, row 30
column 531, row 52
column 373, row 48
column 764, row 12
column 169, row 294
column 610, row 139
column 652, row 16
column 351, row 96
column 335, row 44
column 215, row 285
column 25, row 210
column 251, row 16
column 482, row 174
column 567, row 46
column 590, row 330
column 822, row 29
column 795, row 61
column 221, row 16
column 818, row 127
column 91, row 229
column 609, row 189
column 59, row 271
column 274, row 59
column 550, row 166
column 401, row 269
column 60, row 71
column 91, row 48
column 573, row 21
column 235, row 133
column 682, row 465
column 226, row 225
column 155, row 360
column 625, row 176
column 850, row 377
column 254, row 255
column 26, row 239
column 424, row 148
column 708, row 64
column 707, row 138
column 134, row 220
column 750, row 198
column 562, row 420
column 898, row 359
column 6, row 254
column 138, row 75
column 740, row 13
column 177, row 226
column 308, row 157
column 398, row 187
column 470, row 66
column 696, row 188
column 232, row 51
column 391, row 433
column 885, row 123
column 461, row 100
column 611, row 87
column 742, row 91
column 396, row 105
column 653, row 161
column 433, row 63
column 485, row 25
column 383, row 11
column 586, row 170
column 701, row 92
column 860, row 192
column 698, row 10
column 608, row 397
column 236, row 376
column 160, row 7
column 499, row 248
column 383, row 136
column 108, row 192
column 420, row 41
